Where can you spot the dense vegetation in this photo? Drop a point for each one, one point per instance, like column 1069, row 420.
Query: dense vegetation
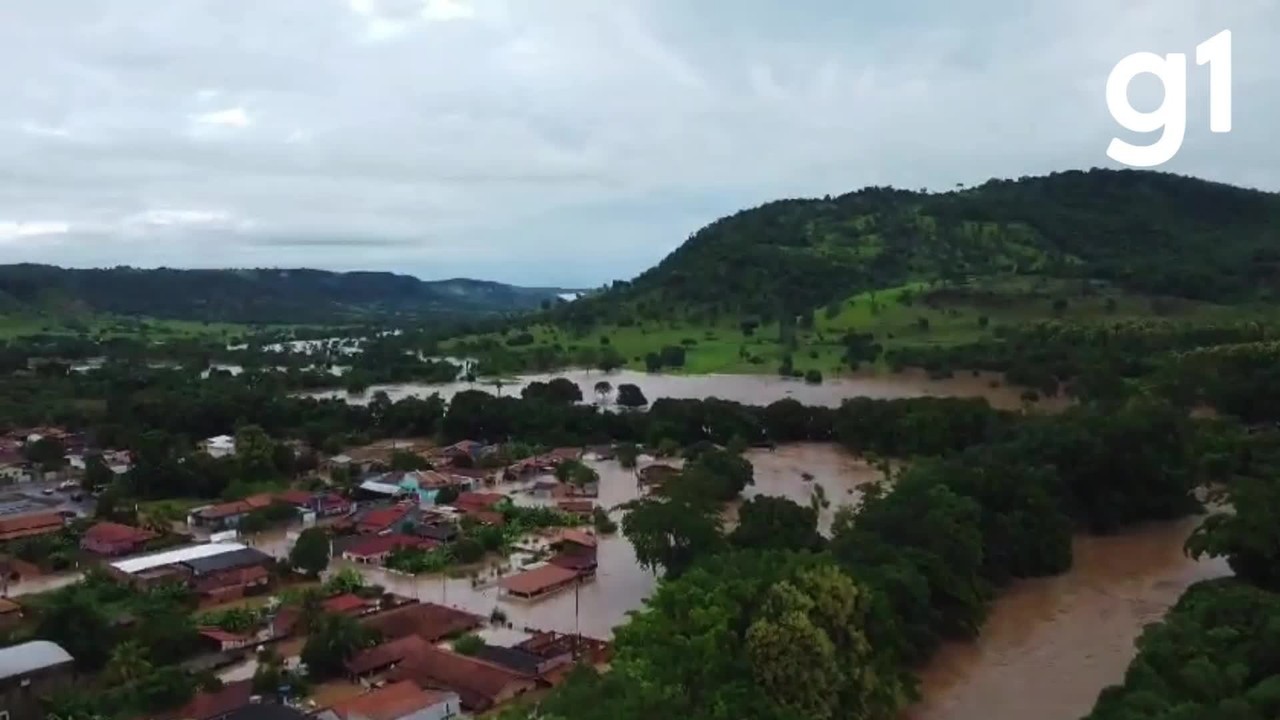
column 254, row 296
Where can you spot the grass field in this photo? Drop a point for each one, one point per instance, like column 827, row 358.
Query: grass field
column 107, row 326
column 897, row 317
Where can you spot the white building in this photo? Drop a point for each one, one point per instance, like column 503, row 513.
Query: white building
column 219, row 446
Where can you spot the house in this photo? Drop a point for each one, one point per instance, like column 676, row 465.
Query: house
column 383, row 520
column 438, row 532
column 538, row 582
column 266, row 711
column 404, row 700
column 347, row 604
column 374, row 550
column 223, row 641
column 216, row 705
column 332, row 505
column 470, row 502
column 231, row 584
column 550, row 645
column 219, row 446
column 488, row 517
column 656, row 474
column 13, row 465
column 577, row 552
column 480, row 685
column 31, row 673
column 216, row 571
column 429, row 621
column 110, row 539
column 581, row 509
column 463, row 450
column 384, row 656
column 522, row 661
column 228, row 514
column 14, row 528
column 301, row 499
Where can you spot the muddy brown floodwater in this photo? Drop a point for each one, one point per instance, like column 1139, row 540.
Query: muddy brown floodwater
column 1051, row 645
column 747, row 389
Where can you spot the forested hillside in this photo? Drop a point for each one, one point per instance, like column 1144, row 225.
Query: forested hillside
column 254, row 295
column 1151, row 233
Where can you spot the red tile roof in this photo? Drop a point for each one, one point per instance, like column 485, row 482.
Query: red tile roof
column 235, row 507
column 477, row 500
column 390, row 702
column 577, row 537
column 384, row 655
column 478, row 683
column 346, row 603
column 222, row 636
column 381, row 519
column 109, row 532
column 429, row 621
column 27, row 525
column 576, row 506
column 539, row 579
column 302, row 498
column 208, row 705
column 382, row 544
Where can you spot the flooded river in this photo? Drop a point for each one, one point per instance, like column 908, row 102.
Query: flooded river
column 748, row 389
column 1052, row 644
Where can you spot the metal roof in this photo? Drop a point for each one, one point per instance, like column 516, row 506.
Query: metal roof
column 243, row 557
column 30, row 656
column 170, row 557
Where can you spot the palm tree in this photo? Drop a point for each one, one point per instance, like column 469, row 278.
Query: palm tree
column 128, row 663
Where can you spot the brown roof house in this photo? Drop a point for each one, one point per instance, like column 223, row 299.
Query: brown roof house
column 538, row 582
column 14, row 528
column 429, row 621
column 398, row 701
column 481, row 685
column 385, row 656
column 109, row 539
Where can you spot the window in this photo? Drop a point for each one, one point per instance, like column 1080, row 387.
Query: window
column 4, row 715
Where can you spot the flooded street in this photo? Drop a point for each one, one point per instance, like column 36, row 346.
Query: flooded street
column 1051, row 645
column 747, row 389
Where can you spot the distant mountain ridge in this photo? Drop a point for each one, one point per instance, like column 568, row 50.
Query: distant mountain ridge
column 258, row 295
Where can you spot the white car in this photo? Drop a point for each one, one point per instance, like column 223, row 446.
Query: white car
column 68, row 485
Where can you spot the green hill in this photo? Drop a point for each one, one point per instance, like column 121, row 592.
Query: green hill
column 293, row 296
column 913, row 268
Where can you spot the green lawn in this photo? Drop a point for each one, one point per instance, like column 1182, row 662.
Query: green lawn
column 109, row 326
column 956, row 319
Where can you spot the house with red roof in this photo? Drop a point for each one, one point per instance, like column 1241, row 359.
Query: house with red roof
column 469, row 502
column 374, row 550
column 347, row 604
column 383, row 520
column 110, row 539
column 479, row 684
column 222, row 641
column 13, row 528
column 398, row 701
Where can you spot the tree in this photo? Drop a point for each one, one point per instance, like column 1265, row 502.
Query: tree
column 74, row 621
column 311, row 551
column 1248, row 536
column 468, row 550
column 671, row 534
column 468, row 644
column 96, row 473
column 630, row 396
column 446, row 494
column 332, row 641
column 255, row 454
column 775, row 523
column 603, row 390
column 127, row 665
column 402, row 460
column 627, row 453
column 576, row 473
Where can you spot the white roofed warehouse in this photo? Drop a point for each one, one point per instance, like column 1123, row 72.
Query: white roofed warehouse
column 31, row 672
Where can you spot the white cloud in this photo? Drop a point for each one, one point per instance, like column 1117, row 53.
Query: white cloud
column 52, row 131
column 234, row 117
column 446, row 10
column 164, row 217
column 11, row 230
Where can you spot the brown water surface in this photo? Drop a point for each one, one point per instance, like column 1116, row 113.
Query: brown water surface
column 747, row 389
column 1051, row 645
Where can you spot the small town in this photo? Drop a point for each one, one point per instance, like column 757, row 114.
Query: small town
column 295, row 620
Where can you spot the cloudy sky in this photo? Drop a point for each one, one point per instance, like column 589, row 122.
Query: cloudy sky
column 561, row 142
